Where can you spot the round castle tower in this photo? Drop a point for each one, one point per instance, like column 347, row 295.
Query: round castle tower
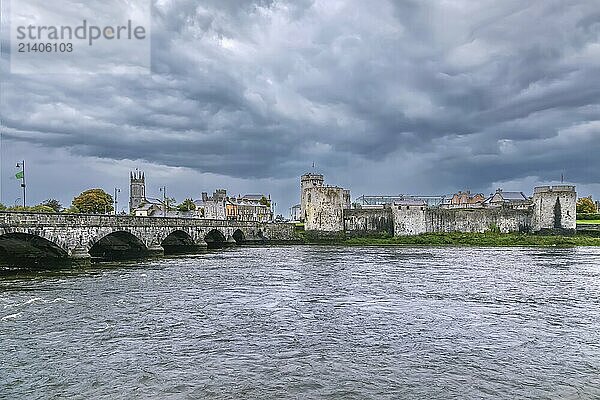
column 308, row 181
column 554, row 208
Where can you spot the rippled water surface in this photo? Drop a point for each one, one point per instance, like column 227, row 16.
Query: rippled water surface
column 308, row 322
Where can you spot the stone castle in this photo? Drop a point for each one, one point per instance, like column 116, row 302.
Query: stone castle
column 328, row 209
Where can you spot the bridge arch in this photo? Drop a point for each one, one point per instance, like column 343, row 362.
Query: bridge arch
column 117, row 244
column 179, row 241
column 239, row 236
column 215, row 239
column 25, row 245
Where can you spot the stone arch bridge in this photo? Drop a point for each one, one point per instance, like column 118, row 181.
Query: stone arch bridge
column 81, row 236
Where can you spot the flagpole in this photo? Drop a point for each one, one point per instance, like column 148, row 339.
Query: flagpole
column 23, row 184
column 21, row 175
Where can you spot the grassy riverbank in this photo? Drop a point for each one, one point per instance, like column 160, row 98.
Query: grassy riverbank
column 464, row 239
column 590, row 222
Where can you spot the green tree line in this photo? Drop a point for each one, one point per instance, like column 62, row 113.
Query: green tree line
column 91, row 201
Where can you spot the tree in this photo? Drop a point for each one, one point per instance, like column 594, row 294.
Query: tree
column 2, row 207
column 94, row 201
column 42, row 208
column 187, row 205
column 170, row 201
column 585, row 205
column 72, row 210
column 53, row 204
column 17, row 208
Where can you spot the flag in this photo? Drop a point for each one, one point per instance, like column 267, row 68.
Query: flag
column 20, row 175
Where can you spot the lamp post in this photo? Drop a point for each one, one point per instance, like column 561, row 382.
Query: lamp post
column 21, row 175
column 164, row 192
column 117, row 190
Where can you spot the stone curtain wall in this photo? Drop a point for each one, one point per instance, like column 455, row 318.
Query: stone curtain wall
column 505, row 220
column 416, row 220
column 368, row 221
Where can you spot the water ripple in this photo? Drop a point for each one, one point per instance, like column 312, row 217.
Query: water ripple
column 309, row 322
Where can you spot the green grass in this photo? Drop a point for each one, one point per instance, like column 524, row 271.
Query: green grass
column 470, row 239
column 585, row 221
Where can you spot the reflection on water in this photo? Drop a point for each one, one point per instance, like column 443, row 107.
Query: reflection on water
column 308, row 322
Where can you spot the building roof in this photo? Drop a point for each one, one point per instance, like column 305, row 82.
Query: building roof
column 147, row 205
column 254, row 196
column 512, row 196
column 410, row 202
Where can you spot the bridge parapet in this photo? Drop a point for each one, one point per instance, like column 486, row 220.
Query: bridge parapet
column 61, row 219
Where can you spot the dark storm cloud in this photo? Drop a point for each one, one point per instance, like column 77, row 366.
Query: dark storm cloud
column 502, row 90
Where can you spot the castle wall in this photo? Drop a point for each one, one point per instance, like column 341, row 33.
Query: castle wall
column 506, row 220
column 327, row 209
column 554, row 205
column 409, row 220
column 369, row 221
column 324, row 208
column 415, row 220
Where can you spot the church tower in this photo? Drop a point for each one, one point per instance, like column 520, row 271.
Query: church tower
column 137, row 190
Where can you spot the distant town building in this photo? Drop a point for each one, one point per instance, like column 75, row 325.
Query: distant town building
column 250, row 207
column 378, row 200
column 464, row 200
column 148, row 210
column 501, row 198
column 296, row 213
column 214, row 207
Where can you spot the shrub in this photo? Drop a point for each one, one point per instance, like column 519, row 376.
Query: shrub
column 588, row 217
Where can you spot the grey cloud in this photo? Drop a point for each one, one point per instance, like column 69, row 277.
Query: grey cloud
column 260, row 89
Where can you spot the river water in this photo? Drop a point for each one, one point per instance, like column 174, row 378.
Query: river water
column 308, row 322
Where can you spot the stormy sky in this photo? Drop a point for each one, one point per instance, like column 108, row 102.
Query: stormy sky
column 385, row 97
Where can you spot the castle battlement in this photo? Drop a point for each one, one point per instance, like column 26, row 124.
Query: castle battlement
column 554, row 189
